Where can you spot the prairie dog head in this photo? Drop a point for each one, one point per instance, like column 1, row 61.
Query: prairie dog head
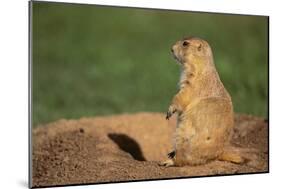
column 192, row 50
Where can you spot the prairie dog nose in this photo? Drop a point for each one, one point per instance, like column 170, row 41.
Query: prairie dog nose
column 173, row 48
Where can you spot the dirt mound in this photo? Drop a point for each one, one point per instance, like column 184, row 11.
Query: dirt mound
column 129, row 147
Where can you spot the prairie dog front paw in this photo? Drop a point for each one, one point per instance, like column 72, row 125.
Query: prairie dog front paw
column 170, row 112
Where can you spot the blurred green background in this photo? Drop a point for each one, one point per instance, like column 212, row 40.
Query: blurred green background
column 94, row 60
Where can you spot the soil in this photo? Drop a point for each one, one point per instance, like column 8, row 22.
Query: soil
column 129, row 147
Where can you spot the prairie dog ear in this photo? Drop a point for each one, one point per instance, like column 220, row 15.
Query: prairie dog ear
column 199, row 48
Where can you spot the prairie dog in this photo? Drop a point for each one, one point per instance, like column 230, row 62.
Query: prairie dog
column 204, row 107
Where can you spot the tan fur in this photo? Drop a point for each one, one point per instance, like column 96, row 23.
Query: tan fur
column 204, row 107
column 231, row 155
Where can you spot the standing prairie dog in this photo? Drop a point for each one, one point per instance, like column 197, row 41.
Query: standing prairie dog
column 204, row 107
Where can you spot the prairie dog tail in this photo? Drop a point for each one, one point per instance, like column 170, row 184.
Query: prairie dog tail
column 238, row 155
column 231, row 156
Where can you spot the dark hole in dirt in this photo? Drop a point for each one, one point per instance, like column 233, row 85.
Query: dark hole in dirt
column 128, row 145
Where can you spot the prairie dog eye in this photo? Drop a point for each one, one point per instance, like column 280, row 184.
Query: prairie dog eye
column 185, row 43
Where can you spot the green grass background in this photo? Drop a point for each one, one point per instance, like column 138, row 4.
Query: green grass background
column 95, row 60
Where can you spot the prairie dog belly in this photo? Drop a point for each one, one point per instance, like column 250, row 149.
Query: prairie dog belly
column 203, row 130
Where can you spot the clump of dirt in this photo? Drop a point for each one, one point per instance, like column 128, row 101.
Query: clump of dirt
column 129, row 147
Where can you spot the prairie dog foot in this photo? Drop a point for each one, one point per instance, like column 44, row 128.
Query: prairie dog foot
column 167, row 163
column 171, row 155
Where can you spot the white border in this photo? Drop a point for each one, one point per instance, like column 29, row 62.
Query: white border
column 14, row 91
